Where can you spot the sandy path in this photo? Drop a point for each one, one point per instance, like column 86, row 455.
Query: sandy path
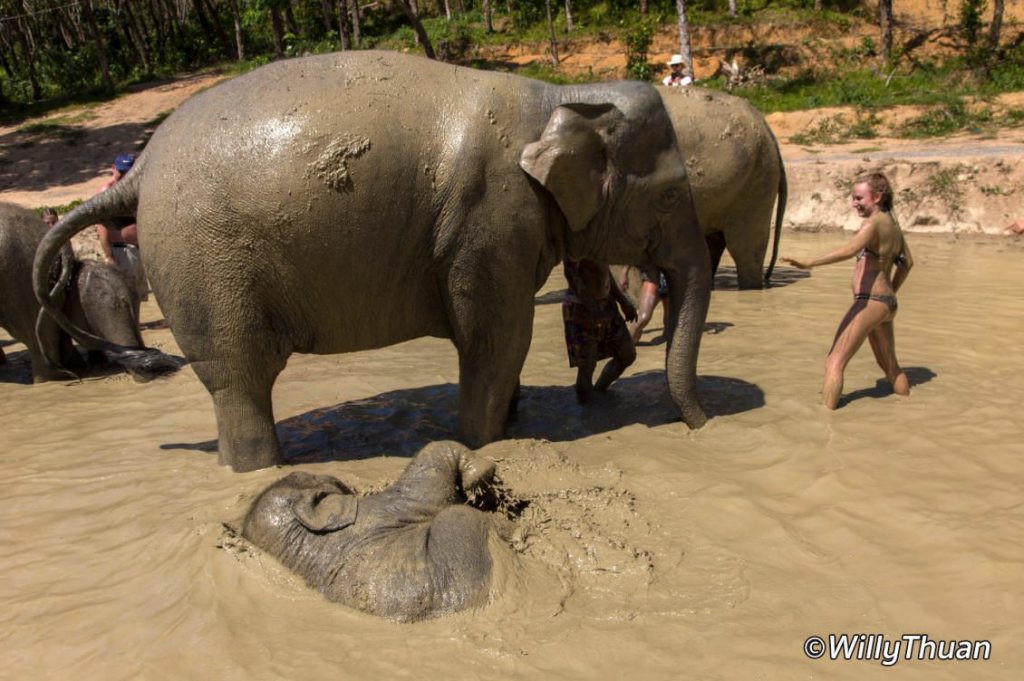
column 38, row 169
column 45, row 169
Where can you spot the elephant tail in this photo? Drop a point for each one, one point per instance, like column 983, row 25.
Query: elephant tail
column 780, row 210
column 118, row 203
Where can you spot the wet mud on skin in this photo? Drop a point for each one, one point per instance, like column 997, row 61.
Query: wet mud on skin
column 647, row 550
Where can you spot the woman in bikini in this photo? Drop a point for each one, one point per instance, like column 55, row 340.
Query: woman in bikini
column 882, row 265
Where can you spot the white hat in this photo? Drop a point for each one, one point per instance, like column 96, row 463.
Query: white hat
column 676, row 60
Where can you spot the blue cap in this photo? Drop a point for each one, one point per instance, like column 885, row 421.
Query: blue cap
column 124, row 162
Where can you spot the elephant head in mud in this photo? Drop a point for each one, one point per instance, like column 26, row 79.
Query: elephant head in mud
column 409, row 552
column 95, row 296
column 736, row 174
column 315, row 206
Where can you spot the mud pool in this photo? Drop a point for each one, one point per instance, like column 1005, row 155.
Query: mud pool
column 648, row 551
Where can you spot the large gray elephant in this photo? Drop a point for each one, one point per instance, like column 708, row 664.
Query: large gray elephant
column 96, row 296
column 412, row 551
column 351, row 201
column 736, row 174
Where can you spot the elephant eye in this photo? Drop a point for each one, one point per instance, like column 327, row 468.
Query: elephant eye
column 669, row 198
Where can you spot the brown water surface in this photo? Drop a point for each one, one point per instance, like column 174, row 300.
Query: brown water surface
column 647, row 551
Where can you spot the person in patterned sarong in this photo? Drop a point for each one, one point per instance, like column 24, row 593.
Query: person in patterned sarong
column 594, row 329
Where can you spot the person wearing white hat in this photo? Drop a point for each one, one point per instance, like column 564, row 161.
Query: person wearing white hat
column 678, row 77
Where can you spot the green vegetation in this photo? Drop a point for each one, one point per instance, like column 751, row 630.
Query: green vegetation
column 838, row 129
column 51, row 57
column 947, row 185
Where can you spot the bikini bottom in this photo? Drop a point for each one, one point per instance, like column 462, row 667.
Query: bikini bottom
column 890, row 301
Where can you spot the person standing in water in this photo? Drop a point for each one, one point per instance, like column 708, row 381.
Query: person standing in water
column 882, row 265
column 594, row 329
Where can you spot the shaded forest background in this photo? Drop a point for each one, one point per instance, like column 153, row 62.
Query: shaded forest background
column 52, row 51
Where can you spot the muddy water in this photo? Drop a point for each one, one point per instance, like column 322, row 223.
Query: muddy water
column 645, row 550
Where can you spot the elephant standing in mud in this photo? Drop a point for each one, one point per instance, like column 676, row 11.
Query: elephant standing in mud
column 410, row 552
column 736, row 173
column 350, row 201
column 96, row 296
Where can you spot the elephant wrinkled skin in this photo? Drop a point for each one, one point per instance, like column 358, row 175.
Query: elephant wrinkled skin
column 409, row 552
column 96, row 296
column 351, row 201
column 736, row 173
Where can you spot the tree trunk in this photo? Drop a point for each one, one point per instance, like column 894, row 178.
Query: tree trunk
column 997, row 25
column 732, row 8
column 139, row 38
column 684, row 38
column 277, row 29
column 551, row 33
column 885, row 23
column 101, row 50
column 325, row 10
column 289, row 16
column 817, row 5
column 28, row 49
column 356, row 24
column 488, row 21
column 62, row 28
column 417, row 25
column 343, row 30
column 459, row 6
column 447, row 10
column 568, row 16
column 157, row 28
column 218, row 27
column 236, row 17
column 173, row 26
column 204, row 24
column 643, row 7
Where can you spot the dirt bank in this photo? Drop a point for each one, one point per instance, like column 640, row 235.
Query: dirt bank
column 965, row 184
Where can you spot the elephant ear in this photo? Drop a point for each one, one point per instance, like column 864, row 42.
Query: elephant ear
column 325, row 511
column 570, row 159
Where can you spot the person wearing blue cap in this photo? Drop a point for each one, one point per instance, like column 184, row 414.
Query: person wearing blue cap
column 121, row 246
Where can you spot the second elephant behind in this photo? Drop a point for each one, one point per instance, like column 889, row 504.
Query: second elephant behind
column 736, row 173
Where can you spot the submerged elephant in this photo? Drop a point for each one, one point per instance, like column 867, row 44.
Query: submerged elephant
column 736, row 173
column 410, row 552
column 96, row 296
column 350, row 201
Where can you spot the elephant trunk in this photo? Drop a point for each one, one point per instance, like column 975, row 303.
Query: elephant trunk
column 689, row 286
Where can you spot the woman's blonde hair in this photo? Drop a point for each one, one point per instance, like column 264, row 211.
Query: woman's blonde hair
column 879, row 184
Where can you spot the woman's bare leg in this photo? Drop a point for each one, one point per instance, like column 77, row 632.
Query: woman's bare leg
column 883, row 344
column 854, row 328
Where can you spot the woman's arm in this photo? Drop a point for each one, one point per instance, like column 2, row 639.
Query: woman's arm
column 903, row 267
column 860, row 240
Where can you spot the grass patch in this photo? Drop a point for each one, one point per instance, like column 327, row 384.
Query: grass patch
column 61, row 210
column 839, row 129
column 946, row 185
column 54, row 130
column 946, row 119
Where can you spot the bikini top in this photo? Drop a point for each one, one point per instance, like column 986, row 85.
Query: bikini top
column 900, row 259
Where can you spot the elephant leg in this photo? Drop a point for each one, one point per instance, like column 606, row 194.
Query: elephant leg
column 49, row 349
column 241, row 387
column 492, row 341
column 716, row 246
column 749, row 270
column 513, row 405
column 749, row 255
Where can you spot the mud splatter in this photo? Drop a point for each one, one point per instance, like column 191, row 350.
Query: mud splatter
column 331, row 165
